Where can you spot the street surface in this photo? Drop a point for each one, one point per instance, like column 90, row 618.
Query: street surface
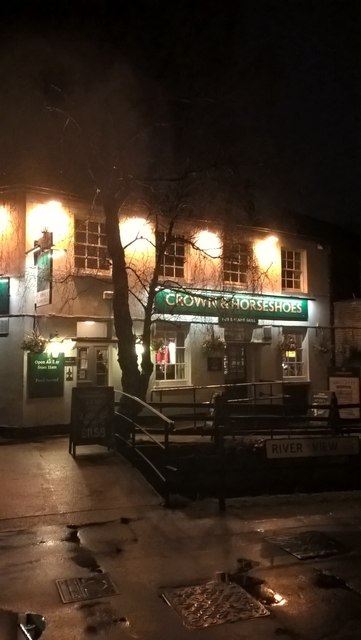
column 94, row 518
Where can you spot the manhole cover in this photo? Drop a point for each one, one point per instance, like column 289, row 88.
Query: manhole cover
column 87, row 588
column 213, row 602
column 309, row 544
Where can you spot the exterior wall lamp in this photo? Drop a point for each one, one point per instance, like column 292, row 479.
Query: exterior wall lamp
column 42, row 245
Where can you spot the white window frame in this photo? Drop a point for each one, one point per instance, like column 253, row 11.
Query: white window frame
column 293, row 272
column 168, row 336
column 169, row 271
column 98, row 261
column 233, row 252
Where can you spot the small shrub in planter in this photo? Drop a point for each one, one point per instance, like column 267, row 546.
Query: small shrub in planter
column 34, row 342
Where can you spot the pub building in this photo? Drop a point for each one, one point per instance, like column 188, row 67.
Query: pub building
column 235, row 304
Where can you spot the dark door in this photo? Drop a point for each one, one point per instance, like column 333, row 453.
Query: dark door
column 234, row 363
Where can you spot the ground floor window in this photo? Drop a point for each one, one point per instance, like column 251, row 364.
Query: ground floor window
column 293, row 352
column 169, row 355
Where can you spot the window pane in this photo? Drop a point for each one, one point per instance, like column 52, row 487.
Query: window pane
column 169, row 355
column 236, row 262
column 79, row 263
column 292, row 355
column 90, row 241
column 92, row 251
column 291, row 269
column 80, row 236
column 173, row 259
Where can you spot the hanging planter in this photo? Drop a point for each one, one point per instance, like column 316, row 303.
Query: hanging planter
column 157, row 344
column 321, row 347
column 212, row 344
column 33, row 342
column 287, row 343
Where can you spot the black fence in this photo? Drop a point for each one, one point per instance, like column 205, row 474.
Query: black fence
column 161, row 437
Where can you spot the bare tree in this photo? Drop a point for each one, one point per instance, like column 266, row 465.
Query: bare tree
column 116, row 138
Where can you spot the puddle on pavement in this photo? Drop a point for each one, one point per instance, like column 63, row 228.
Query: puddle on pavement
column 72, row 536
column 327, row 580
column 85, row 559
column 256, row 587
column 103, row 620
column 82, row 557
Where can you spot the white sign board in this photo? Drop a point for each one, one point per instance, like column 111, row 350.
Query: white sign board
column 347, row 391
column 311, row 447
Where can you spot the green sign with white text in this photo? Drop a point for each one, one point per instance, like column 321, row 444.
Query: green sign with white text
column 45, row 375
column 4, row 296
column 231, row 305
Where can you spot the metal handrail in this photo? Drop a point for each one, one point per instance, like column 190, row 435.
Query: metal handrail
column 195, row 388
column 147, row 406
column 168, row 427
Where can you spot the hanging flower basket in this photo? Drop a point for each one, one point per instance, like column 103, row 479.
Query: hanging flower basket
column 321, row 347
column 213, row 344
column 287, row 343
column 156, row 344
column 34, row 342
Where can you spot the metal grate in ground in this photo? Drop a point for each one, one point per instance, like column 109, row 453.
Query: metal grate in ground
column 86, row 588
column 308, row 545
column 213, row 602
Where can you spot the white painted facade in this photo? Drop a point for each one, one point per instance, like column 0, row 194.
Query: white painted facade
column 72, row 309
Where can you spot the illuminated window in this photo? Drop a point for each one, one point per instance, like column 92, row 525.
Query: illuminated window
column 236, row 261
column 169, row 348
column 82, row 364
column 173, row 259
column 90, row 246
column 293, row 355
column 292, row 272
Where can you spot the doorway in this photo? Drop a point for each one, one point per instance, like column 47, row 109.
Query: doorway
column 234, row 363
column 92, row 365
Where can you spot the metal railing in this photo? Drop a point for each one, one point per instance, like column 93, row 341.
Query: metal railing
column 133, row 406
column 231, row 417
column 249, row 391
column 196, row 410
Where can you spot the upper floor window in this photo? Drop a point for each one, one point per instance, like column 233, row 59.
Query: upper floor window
column 173, row 259
column 236, row 259
column 90, row 246
column 292, row 270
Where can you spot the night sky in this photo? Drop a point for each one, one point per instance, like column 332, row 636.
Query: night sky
column 270, row 90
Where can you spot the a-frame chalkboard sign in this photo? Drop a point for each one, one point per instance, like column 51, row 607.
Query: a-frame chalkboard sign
column 92, row 417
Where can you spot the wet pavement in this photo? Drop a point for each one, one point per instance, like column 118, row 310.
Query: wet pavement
column 88, row 544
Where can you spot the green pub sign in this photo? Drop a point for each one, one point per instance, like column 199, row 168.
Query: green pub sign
column 4, row 296
column 45, row 375
column 232, row 305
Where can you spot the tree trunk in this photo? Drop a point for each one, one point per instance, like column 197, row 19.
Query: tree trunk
column 127, row 357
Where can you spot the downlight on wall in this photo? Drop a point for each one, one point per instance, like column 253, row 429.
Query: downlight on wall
column 267, row 252
column 45, row 216
column 4, row 221
column 136, row 235
column 209, row 242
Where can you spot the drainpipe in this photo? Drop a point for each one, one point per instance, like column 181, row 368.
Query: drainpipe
column 332, row 312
